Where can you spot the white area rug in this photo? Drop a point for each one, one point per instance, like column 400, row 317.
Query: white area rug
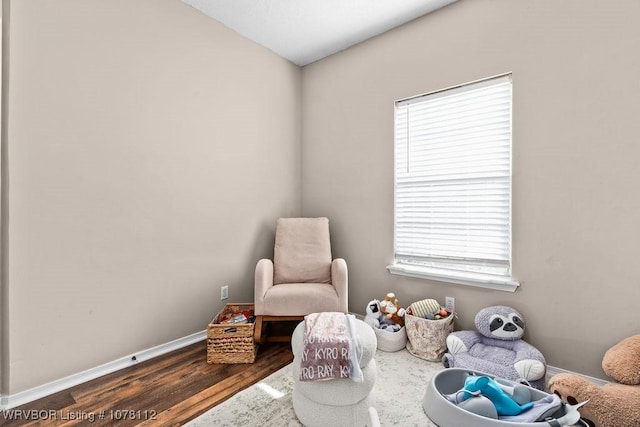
column 400, row 386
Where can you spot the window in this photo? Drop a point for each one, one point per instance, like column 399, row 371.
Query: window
column 453, row 185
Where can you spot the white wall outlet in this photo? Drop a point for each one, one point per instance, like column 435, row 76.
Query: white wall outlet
column 450, row 303
column 224, row 292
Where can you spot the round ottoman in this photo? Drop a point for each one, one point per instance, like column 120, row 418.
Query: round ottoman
column 337, row 392
column 314, row 414
column 337, row 402
column 368, row 341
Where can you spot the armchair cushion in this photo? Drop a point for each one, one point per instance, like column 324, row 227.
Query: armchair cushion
column 302, row 252
column 300, row 299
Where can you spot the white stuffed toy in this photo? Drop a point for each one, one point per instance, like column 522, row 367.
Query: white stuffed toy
column 374, row 314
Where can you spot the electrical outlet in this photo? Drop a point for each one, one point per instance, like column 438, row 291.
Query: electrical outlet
column 224, row 292
column 450, row 303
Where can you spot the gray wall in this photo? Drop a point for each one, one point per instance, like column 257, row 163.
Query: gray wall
column 150, row 150
column 575, row 160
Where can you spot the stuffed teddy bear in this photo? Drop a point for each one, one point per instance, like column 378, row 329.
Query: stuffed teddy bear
column 497, row 348
column 391, row 309
column 377, row 320
column 614, row 404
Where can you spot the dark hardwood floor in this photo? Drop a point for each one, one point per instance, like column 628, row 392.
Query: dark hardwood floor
column 166, row 391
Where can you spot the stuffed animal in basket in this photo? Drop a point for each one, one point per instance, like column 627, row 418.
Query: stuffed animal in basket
column 374, row 315
column 377, row 319
column 497, row 348
column 614, row 404
column 391, row 309
column 428, row 309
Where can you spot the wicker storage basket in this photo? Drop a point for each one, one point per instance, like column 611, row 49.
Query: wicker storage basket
column 228, row 342
column 427, row 339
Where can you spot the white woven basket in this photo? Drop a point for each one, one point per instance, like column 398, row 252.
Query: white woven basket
column 391, row 341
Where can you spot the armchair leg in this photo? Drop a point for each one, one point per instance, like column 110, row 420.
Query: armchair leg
column 257, row 330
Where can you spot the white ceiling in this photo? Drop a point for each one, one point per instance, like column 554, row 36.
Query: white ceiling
column 304, row 31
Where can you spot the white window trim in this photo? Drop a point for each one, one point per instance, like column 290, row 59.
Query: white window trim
column 499, row 283
column 467, row 278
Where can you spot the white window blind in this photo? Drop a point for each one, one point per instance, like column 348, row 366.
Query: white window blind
column 453, row 179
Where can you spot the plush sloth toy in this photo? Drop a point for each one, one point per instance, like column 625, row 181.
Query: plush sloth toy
column 496, row 348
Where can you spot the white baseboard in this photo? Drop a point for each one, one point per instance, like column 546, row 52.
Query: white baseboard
column 552, row 370
column 14, row 400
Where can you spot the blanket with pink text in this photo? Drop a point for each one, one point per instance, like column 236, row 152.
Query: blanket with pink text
column 331, row 348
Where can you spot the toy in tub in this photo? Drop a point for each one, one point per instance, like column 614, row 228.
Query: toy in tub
column 462, row 398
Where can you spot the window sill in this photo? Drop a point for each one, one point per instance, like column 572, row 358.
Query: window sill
column 461, row 278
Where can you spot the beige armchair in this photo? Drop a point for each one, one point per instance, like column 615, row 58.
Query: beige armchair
column 302, row 278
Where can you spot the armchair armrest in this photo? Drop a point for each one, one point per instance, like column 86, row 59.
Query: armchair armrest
column 524, row 350
column 263, row 282
column 340, row 281
column 529, row 362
